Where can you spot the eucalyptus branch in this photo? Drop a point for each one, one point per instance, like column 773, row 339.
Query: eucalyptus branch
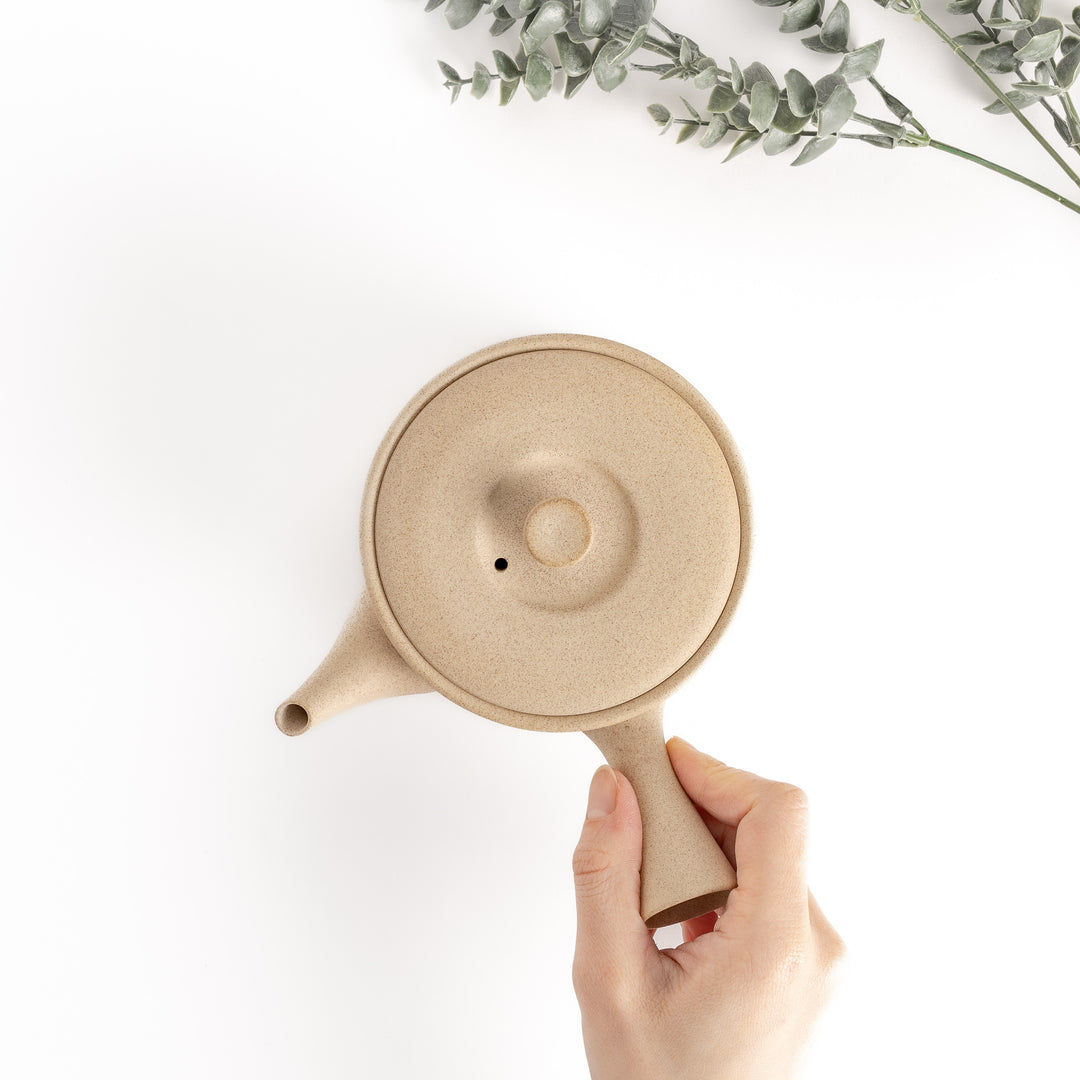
column 597, row 40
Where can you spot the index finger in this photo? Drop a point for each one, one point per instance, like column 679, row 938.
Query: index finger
column 770, row 823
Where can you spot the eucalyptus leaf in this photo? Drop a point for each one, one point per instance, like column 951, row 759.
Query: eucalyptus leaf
column 836, row 29
column 594, row 17
column 518, row 9
column 661, row 114
column 800, row 16
column 431, row 5
column 1030, row 9
column 737, row 83
column 550, row 18
column 574, row 83
column 687, row 131
column 973, row 37
column 997, row 10
column 764, row 97
column 743, row 143
column 607, row 73
column 814, row 149
column 717, row 129
column 686, row 53
column 500, row 26
column 777, row 141
column 815, row 44
column 705, row 80
column 1008, row 24
column 998, row 58
column 755, row 73
column 630, row 14
column 455, row 90
column 451, row 75
column 1040, row 47
column 800, row 91
column 722, row 99
column 884, row 142
column 505, row 66
column 481, row 80
column 574, row 58
column 1039, row 90
column 836, row 112
column 787, row 121
column 861, row 63
column 1020, row 98
column 539, row 75
column 507, row 89
column 739, row 117
column 824, row 87
column 1067, row 68
column 1076, row 16
column 962, row 7
column 632, row 45
column 460, row 13
column 575, row 33
column 691, row 110
column 1045, row 24
column 1044, row 72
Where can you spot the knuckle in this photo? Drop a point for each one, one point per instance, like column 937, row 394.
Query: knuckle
column 789, row 798
column 591, row 870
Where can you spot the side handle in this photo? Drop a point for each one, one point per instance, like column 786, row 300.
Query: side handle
column 684, row 873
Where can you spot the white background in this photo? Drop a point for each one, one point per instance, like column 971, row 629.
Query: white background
column 234, row 239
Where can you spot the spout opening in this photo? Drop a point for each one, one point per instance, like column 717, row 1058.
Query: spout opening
column 292, row 719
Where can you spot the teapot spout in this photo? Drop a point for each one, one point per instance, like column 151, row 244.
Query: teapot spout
column 361, row 666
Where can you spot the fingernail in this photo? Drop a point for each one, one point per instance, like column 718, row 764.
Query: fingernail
column 603, row 791
column 680, row 739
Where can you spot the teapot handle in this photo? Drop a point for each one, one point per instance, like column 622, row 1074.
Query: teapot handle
column 683, row 871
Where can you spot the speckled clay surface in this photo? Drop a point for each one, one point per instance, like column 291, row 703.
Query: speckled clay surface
column 555, row 532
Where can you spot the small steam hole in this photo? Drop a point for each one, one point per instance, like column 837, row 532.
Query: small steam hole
column 500, row 564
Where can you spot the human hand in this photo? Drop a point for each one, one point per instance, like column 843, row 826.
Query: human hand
column 737, row 1000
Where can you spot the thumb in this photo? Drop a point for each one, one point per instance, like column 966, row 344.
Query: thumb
column 612, row 939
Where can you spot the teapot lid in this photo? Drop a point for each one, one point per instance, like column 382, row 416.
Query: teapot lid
column 555, row 531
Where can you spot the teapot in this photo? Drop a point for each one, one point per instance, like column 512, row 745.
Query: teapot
column 555, row 532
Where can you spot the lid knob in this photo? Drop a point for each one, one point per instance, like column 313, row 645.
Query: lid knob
column 557, row 532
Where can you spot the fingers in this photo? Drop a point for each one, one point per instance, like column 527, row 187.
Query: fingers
column 770, row 822
column 612, row 940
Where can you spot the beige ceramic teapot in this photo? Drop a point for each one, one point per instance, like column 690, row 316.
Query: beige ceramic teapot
column 555, row 532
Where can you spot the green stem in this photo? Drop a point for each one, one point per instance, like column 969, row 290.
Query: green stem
column 1001, row 170
column 921, row 16
column 993, row 166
